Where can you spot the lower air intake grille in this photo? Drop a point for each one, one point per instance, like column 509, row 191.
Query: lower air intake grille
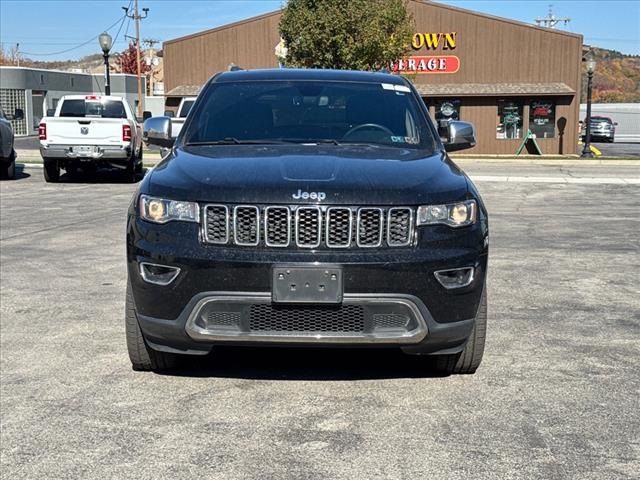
column 303, row 318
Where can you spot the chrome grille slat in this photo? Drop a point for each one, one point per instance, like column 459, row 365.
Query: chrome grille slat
column 216, row 223
column 338, row 227
column 246, row 225
column 399, row 226
column 308, row 226
column 370, row 227
column 277, row 226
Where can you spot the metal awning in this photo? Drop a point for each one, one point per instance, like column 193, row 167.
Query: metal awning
column 493, row 89
column 184, row 91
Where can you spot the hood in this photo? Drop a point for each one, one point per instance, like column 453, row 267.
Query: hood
column 301, row 174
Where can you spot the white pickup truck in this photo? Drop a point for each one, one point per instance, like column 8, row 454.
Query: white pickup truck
column 87, row 131
column 183, row 110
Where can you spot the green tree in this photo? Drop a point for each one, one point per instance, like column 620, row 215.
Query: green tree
column 340, row 34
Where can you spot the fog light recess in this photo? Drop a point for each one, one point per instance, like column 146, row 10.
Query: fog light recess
column 455, row 277
column 156, row 274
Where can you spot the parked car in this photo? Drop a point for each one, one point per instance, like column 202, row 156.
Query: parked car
column 88, row 131
column 183, row 110
column 602, row 128
column 7, row 138
column 307, row 207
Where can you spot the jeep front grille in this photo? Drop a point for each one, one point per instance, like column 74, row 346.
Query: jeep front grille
column 308, row 227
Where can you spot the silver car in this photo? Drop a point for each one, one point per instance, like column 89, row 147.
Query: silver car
column 7, row 152
column 602, row 128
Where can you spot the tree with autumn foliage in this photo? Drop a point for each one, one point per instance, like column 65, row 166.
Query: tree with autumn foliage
column 127, row 61
column 357, row 35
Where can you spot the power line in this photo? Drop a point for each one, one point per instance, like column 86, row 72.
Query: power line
column 126, row 10
column 73, row 48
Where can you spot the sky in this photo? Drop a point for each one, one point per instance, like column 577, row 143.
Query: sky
column 68, row 29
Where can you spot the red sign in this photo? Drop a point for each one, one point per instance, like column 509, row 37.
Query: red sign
column 427, row 64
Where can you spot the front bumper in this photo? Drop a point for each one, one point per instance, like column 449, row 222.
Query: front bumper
column 393, row 282
column 602, row 133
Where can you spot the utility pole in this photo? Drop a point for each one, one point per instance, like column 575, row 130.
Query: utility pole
column 137, row 17
column 551, row 21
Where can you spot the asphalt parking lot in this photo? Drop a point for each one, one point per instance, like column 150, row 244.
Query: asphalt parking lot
column 556, row 396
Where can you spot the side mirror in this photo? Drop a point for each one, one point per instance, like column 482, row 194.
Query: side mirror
column 169, row 113
column 18, row 114
column 51, row 112
column 462, row 135
column 157, row 131
column 146, row 115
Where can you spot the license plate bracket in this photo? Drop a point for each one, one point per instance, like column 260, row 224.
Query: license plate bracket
column 310, row 284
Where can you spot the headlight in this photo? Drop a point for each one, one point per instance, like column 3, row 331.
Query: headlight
column 458, row 214
column 158, row 210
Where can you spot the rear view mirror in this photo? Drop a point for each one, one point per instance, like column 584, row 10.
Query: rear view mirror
column 461, row 135
column 157, row 131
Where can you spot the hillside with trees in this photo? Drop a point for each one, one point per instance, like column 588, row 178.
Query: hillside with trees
column 616, row 78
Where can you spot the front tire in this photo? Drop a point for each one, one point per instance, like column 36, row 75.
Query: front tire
column 51, row 170
column 9, row 171
column 469, row 359
column 142, row 356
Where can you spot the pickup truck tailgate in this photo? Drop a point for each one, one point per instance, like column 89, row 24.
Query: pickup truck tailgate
column 84, row 131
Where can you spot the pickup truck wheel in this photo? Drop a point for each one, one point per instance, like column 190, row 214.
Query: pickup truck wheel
column 138, row 168
column 470, row 358
column 9, row 171
column 142, row 356
column 51, row 170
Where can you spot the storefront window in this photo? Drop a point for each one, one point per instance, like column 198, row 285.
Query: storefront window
column 542, row 118
column 509, row 119
column 446, row 110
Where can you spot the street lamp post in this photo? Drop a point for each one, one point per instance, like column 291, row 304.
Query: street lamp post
column 105, row 42
column 591, row 66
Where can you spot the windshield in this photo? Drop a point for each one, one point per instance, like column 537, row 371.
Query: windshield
column 100, row 109
column 308, row 112
column 186, row 106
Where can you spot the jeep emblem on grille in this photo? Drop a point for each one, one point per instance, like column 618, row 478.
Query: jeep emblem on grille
column 84, row 130
column 309, row 195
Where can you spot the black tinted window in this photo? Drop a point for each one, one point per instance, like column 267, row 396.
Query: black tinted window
column 309, row 111
column 186, row 107
column 83, row 108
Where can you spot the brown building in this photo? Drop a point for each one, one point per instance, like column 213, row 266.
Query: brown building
column 507, row 77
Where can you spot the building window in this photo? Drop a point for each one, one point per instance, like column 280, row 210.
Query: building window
column 10, row 99
column 542, row 118
column 72, row 81
column 509, row 119
column 41, row 79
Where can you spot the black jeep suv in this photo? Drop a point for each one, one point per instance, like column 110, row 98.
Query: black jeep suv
column 308, row 207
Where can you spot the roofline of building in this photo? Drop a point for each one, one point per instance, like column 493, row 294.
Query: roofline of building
column 222, row 27
column 51, row 70
column 500, row 19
